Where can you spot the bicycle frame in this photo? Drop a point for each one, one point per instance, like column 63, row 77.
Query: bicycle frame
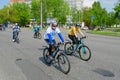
column 55, row 53
column 80, row 44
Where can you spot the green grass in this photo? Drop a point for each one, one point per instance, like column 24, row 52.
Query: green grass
column 108, row 33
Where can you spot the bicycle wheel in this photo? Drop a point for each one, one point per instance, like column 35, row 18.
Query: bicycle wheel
column 34, row 35
column 84, row 53
column 63, row 63
column 17, row 40
column 39, row 36
column 68, row 48
column 46, row 56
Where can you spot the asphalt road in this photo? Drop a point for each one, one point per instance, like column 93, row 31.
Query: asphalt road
column 24, row 61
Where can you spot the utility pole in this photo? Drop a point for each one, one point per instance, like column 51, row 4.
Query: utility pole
column 41, row 12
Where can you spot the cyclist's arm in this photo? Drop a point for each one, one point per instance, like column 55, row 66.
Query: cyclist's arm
column 59, row 34
column 61, row 37
column 50, row 38
column 81, row 32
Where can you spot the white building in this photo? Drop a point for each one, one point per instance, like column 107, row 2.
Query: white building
column 80, row 3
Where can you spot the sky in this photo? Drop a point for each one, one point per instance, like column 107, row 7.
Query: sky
column 108, row 4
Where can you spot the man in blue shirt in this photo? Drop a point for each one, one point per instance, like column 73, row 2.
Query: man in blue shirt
column 51, row 31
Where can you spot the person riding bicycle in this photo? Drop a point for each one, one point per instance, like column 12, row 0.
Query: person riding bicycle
column 73, row 33
column 16, row 30
column 36, row 29
column 51, row 31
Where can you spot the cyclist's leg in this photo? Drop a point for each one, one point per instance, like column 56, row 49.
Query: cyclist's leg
column 71, row 38
column 17, row 33
column 13, row 36
column 75, row 42
column 50, row 46
column 37, row 33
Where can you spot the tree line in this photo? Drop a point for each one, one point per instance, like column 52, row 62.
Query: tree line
column 59, row 9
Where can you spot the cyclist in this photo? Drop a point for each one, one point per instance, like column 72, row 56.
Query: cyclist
column 73, row 33
column 51, row 31
column 16, row 30
column 36, row 29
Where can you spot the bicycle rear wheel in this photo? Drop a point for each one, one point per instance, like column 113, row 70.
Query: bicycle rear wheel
column 84, row 53
column 68, row 48
column 46, row 55
column 63, row 63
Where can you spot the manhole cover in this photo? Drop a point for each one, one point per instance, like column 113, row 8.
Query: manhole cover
column 104, row 72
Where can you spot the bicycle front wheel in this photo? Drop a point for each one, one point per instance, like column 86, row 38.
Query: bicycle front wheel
column 39, row 36
column 17, row 40
column 63, row 63
column 68, row 48
column 46, row 55
column 84, row 53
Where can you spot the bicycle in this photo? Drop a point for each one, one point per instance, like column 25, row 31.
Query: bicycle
column 37, row 34
column 16, row 39
column 59, row 57
column 80, row 47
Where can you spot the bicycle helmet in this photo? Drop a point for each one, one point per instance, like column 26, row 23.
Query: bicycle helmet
column 77, row 24
column 54, row 24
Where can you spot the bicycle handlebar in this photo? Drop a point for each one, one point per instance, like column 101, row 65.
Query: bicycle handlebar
column 83, row 37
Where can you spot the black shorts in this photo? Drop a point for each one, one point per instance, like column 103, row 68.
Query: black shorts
column 73, row 38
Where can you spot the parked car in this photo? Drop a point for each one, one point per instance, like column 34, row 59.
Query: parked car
column 1, row 27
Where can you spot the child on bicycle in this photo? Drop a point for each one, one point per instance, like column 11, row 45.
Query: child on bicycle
column 73, row 33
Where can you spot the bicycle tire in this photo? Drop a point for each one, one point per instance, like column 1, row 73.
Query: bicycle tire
column 68, row 48
column 84, row 51
column 17, row 40
column 62, row 60
column 35, row 36
column 45, row 55
column 39, row 36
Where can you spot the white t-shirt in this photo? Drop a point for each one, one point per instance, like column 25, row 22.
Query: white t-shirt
column 52, row 32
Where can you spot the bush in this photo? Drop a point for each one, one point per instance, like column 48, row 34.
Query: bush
column 117, row 30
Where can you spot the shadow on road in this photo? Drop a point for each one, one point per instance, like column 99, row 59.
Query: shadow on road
column 41, row 49
column 52, row 64
column 104, row 72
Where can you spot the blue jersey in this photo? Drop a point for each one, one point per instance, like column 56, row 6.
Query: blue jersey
column 51, row 33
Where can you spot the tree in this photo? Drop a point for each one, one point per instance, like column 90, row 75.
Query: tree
column 22, row 13
column 51, row 8
column 3, row 15
column 117, row 12
column 95, row 16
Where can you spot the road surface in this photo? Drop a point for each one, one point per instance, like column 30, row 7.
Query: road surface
column 24, row 61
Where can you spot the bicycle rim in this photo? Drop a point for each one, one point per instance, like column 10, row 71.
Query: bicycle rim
column 64, row 63
column 84, row 53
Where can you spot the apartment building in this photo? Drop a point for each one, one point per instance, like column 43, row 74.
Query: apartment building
column 80, row 3
column 13, row 1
